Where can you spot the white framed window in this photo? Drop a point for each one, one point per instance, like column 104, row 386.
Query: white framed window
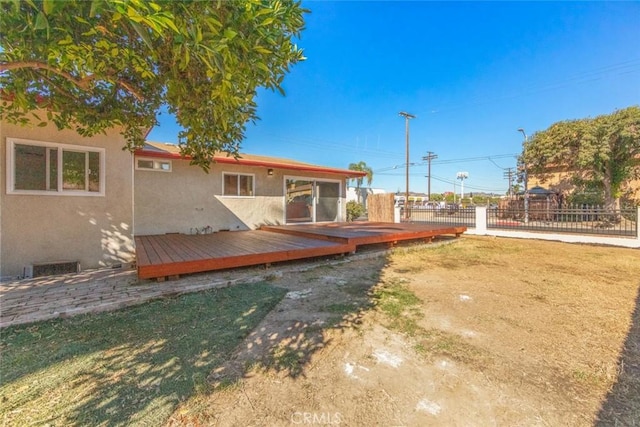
column 153, row 165
column 238, row 185
column 46, row 168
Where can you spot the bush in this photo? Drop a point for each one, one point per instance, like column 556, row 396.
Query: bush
column 354, row 210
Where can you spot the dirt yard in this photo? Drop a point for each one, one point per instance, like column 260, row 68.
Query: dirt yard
column 477, row 331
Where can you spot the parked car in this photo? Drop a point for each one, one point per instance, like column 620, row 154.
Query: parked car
column 452, row 208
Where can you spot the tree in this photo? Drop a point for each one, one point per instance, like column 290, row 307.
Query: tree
column 91, row 65
column 603, row 152
column 361, row 166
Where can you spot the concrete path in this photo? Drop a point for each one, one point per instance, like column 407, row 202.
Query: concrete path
column 31, row 300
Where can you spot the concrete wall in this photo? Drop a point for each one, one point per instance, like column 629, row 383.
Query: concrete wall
column 95, row 230
column 188, row 198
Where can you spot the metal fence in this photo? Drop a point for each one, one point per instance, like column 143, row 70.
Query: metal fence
column 582, row 219
column 448, row 215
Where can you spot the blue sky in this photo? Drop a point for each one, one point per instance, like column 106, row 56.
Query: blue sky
column 471, row 72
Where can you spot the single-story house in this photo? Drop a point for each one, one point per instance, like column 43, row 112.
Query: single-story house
column 172, row 196
column 72, row 202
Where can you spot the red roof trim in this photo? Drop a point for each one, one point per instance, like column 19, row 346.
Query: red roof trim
column 259, row 163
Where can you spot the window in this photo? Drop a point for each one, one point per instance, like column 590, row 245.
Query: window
column 155, row 165
column 36, row 167
column 237, row 185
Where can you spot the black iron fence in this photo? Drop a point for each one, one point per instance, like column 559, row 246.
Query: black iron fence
column 582, row 219
column 452, row 214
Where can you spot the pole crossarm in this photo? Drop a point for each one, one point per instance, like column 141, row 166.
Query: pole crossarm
column 430, row 156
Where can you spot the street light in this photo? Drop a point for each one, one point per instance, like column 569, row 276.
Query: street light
column 407, row 116
column 462, row 176
column 525, row 177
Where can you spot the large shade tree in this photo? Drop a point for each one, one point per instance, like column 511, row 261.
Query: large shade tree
column 601, row 152
column 93, row 64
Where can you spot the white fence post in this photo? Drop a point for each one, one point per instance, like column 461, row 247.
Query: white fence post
column 481, row 220
column 638, row 222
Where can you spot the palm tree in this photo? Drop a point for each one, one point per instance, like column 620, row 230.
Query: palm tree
column 361, row 166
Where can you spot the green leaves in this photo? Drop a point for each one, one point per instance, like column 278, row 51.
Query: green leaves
column 103, row 62
column 600, row 152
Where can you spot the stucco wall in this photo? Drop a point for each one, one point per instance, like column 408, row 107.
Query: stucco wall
column 188, row 198
column 560, row 180
column 95, row 230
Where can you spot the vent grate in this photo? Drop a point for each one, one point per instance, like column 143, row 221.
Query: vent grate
column 51, row 269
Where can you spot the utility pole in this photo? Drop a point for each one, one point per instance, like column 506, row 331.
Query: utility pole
column 430, row 156
column 406, row 116
column 508, row 174
column 525, row 178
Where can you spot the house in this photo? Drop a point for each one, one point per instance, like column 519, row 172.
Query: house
column 70, row 202
column 171, row 196
column 360, row 194
column 65, row 199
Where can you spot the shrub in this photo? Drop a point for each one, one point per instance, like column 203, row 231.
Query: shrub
column 354, row 210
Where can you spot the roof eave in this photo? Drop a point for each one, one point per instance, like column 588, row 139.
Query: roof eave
column 258, row 163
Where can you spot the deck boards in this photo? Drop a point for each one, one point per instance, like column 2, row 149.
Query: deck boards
column 175, row 254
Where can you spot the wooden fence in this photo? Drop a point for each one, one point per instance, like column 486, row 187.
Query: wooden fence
column 380, row 207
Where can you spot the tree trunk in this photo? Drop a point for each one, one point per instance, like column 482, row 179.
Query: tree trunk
column 611, row 203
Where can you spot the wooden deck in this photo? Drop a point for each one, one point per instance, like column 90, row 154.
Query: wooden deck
column 367, row 233
column 167, row 255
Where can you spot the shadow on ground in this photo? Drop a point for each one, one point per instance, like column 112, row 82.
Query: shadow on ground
column 329, row 297
column 136, row 365
column 622, row 404
column 132, row 366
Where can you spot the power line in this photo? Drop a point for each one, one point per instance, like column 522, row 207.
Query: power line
column 451, row 182
column 474, row 159
column 625, row 67
column 450, row 161
column 472, row 187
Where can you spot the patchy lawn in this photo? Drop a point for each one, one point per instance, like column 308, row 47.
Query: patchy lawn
column 482, row 331
column 132, row 366
column 474, row 331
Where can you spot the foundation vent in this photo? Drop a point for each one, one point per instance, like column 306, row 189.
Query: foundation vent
column 51, row 269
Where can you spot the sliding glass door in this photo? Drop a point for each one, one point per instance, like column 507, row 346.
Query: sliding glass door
column 309, row 200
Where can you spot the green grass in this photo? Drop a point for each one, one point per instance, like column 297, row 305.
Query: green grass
column 130, row 367
column 403, row 310
column 400, row 305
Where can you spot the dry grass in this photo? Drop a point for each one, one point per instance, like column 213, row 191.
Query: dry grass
column 550, row 325
column 560, row 320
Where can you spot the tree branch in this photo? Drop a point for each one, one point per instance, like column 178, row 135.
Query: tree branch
column 81, row 83
column 131, row 90
column 37, row 65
